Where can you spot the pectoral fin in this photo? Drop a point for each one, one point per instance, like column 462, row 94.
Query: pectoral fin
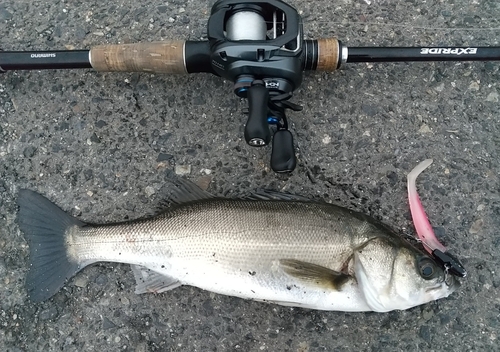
column 313, row 274
column 149, row 281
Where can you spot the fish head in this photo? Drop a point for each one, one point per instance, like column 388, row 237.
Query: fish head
column 394, row 275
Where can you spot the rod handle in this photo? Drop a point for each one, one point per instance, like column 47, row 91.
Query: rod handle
column 156, row 57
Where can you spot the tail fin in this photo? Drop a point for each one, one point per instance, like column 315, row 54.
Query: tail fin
column 44, row 226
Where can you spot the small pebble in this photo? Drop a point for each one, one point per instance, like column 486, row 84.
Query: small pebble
column 125, row 301
column 427, row 314
column 81, row 281
column 107, row 324
column 476, row 226
column 439, row 88
column 474, row 86
column 424, row 129
column 149, row 191
column 182, row 170
column 4, row 14
column 493, row 97
column 29, row 151
column 425, row 333
column 49, row 314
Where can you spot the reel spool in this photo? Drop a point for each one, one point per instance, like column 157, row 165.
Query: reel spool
column 246, row 25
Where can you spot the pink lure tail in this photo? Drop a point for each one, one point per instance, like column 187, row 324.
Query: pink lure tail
column 423, row 227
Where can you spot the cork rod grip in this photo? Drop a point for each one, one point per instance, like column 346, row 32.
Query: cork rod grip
column 328, row 54
column 156, row 57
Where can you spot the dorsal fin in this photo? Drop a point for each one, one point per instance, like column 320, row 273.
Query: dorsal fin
column 183, row 191
column 267, row 194
column 179, row 191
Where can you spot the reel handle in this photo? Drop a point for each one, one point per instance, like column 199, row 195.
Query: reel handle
column 257, row 132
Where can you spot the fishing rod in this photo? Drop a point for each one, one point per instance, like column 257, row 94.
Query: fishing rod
column 259, row 45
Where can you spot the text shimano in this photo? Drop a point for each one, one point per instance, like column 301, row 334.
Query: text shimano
column 44, row 55
column 448, row 51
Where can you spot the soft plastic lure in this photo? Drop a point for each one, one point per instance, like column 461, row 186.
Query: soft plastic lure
column 423, row 227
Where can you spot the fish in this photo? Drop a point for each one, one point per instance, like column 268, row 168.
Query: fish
column 269, row 247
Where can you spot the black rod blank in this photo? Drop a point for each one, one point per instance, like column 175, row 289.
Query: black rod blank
column 40, row 60
column 404, row 54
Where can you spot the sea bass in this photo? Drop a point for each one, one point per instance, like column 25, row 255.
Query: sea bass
column 289, row 251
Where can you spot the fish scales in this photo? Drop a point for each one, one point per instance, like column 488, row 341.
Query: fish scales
column 241, row 233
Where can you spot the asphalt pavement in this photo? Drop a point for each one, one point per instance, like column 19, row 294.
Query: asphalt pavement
column 103, row 147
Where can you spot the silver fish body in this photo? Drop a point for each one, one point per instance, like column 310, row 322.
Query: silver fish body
column 297, row 253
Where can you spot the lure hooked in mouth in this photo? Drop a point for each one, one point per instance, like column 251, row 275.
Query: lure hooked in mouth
column 423, row 227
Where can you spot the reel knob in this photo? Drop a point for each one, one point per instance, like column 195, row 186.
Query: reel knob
column 283, row 155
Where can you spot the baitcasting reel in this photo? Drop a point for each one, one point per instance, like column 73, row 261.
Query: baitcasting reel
column 258, row 45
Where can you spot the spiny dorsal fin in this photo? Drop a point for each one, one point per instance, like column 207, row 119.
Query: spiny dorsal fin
column 267, row 194
column 179, row 191
column 183, row 191
column 314, row 274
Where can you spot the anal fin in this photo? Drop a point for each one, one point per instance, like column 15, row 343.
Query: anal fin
column 149, row 281
column 313, row 274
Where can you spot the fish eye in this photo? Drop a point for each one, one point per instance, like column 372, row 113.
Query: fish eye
column 427, row 268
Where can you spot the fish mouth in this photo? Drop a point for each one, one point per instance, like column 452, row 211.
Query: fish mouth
column 444, row 288
column 452, row 282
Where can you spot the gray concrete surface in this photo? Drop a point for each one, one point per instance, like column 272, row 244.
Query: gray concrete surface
column 102, row 146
